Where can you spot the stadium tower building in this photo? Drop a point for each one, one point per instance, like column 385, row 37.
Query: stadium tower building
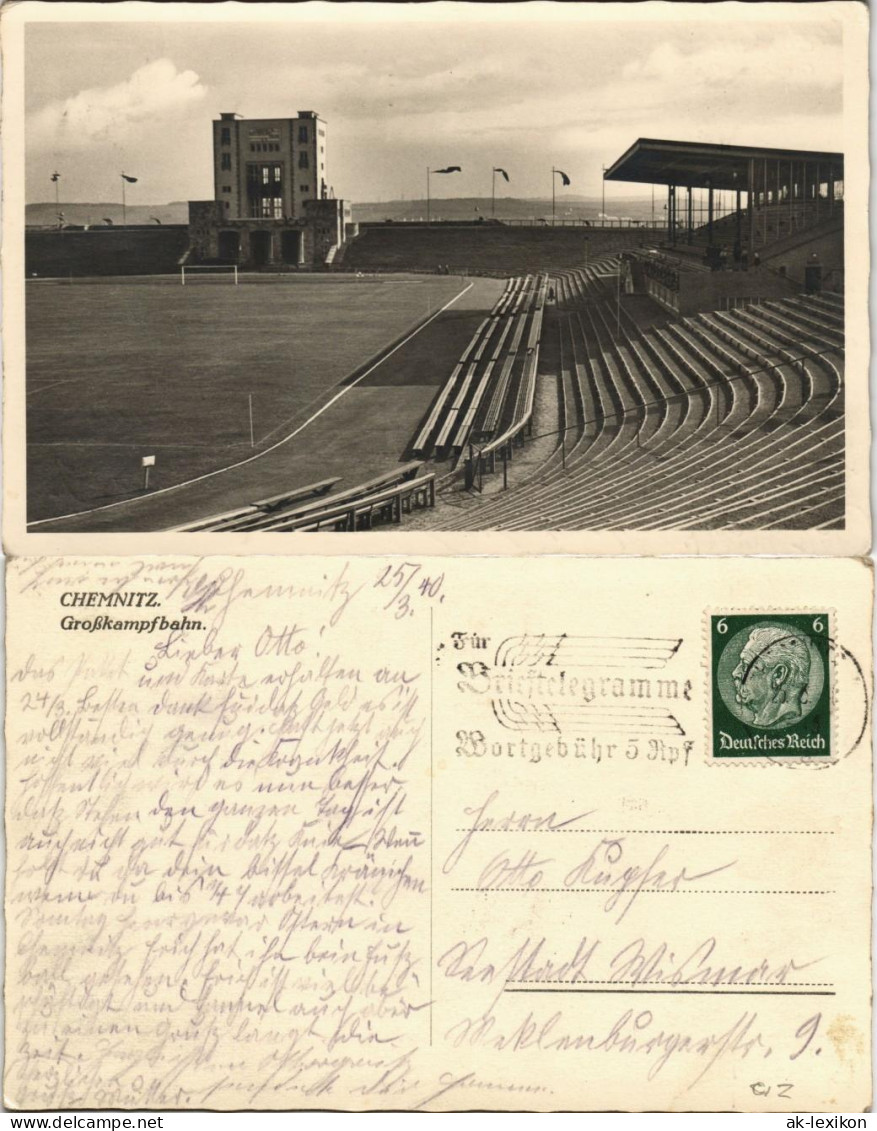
column 272, row 204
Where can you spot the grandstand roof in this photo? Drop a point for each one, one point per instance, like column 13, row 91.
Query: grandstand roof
column 652, row 161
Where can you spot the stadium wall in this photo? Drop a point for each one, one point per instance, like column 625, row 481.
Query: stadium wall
column 488, row 248
column 699, row 291
column 149, row 250
column 828, row 250
column 686, row 290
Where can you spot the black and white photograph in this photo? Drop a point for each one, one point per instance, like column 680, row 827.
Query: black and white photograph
column 463, row 268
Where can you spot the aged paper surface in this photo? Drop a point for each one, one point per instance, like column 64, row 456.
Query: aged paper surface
column 438, row 833
column 769, row 457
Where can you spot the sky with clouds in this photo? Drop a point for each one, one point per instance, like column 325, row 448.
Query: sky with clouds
column 400, row 92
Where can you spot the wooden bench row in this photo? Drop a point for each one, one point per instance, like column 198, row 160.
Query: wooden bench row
column 288, row 519
column 491, row 419
column 422, row 444
column 228, row 519
column 454, row 411
column 305, row 502
column 385, row 506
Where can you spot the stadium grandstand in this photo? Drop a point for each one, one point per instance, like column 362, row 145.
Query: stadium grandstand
column 698, row 385
column 688, row 376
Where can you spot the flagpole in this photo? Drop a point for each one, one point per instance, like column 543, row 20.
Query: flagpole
column 553, row 175
column 124, row 211
column 493, row 196
column 427, row 196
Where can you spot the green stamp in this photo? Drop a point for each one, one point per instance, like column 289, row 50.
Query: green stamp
column 770, row 685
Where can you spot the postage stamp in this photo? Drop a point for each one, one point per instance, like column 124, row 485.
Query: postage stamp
column 770, row 685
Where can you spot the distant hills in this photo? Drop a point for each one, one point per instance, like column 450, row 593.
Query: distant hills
column 568, row 207
column 46, row 214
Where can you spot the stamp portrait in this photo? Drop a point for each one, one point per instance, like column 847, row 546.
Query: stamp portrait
column 770, row 685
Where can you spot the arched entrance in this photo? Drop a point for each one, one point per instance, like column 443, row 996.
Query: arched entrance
column 290, row 246
column 230, row 246
column 260, row 248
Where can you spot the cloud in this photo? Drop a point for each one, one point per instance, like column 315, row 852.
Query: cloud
column 733, row 67
column 523, row 96
column 155, row 91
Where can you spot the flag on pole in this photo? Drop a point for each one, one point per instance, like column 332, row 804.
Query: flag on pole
column 56, row 176
column 504, row 173
column 107, row 220
column 450, row 169
column 130, row 180
column 564, row 179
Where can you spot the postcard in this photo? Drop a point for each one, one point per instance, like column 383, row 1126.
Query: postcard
column 461, row 278
column 438, row 833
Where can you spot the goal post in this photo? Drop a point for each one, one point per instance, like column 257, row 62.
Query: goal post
column 190, row 271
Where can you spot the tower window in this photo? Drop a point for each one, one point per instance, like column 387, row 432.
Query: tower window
column 264, row 195
column 226, row 161
column 302, row 133
column 226, row 135
column 269, row 208
column 303, row 162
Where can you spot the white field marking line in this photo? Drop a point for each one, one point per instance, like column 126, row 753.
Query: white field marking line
column 280, row 443
column 53, row 385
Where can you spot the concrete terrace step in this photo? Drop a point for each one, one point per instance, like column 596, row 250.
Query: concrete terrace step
column 717, row 421
column 553, row 512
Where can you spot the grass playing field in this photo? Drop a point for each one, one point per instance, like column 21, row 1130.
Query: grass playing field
column 121, row 369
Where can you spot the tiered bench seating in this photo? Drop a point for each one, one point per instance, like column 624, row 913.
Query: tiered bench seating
column 363, row 513
column 475, row 398
column 230, row 520
column 391, row 493
column 718, row 421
